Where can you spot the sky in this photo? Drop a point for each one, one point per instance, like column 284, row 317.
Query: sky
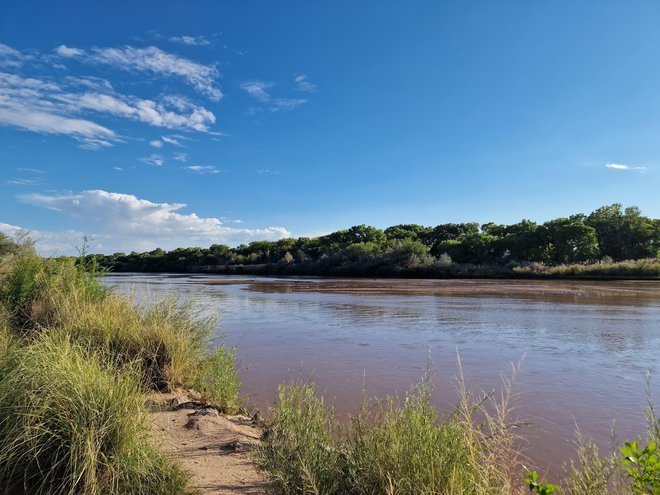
column 173, row 124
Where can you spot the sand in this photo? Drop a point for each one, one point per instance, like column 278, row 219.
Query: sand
column 215, row 450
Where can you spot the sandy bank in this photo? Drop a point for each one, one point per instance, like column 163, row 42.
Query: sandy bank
column 214, row 449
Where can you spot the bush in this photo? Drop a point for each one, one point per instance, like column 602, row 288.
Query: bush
column 218, row 381
column 72, row 425
column 391, row 448
column 297, row 450
column 409, row 450
column 33, row 289
column 167, row 339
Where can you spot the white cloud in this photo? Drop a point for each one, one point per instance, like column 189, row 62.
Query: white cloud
column 11, row 58
column 303, row 84
column 153, row 60
column 23, row 181
column 154, row 159
column 157, row 114
column 156, row 144
column 619, row 166
column 286, row 104
column 26, row 103
column 172, row 140
column 181, row 157
column 49, row 243
column 202, row 169
column 127, row 223
column 44, row 106
column 257, row 89
column 68, row 51
column 190, row 40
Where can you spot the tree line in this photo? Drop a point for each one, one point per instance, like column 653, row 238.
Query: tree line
column 609, row 234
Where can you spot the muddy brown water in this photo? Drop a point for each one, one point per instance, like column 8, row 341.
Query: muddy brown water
column 587, row 346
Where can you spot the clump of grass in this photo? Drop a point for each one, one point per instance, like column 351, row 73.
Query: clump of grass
column 218, row 380
column 169, row 340
column 165, row 338
column 409, row 449
column 33, row 288
column 298, row 453
column 591, row 472
column 391, row 447
column 642, row 268
column 70, row 424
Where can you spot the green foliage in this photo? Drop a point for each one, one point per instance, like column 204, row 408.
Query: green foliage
column 535, row 486
column 643, row 467
column 33, row 288
column 167, row 339
column 407, row 253
column 409, row 450
column 297, row 452
column 413, row 250
column 218, row 380
column 361, row 250
column 72, row 425
column 390, row 448
column 590, row 472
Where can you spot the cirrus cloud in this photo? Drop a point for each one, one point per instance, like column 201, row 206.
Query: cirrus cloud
column 620, row 166
column 151, row 60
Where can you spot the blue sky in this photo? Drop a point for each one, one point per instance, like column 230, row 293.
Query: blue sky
column 174, row 123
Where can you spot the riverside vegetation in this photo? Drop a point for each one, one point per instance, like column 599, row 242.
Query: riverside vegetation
column 611, row 242
column 76, row 359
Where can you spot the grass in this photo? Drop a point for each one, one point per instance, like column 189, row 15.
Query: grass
column 170, row 341
column 75, row 359
column 71, row 425
column 407, row 447
column 298, row 452
column 392, row 447
column 643, row 268
column 33, row 289
column 218, row 381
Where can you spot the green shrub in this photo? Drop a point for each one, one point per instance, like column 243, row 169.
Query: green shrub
column 297, row 451
column 72, row 425
column 409, row 450
column 168, row 340
column 218, row 380
column 33, row 289
column 390, row 448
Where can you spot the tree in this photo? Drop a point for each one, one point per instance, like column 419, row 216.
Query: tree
column 571, row 241
column 623, row 234
column 408, row 231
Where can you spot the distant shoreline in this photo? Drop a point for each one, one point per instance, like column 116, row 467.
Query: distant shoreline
column 647, row 269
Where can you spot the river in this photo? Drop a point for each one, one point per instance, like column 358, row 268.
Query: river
column 586, row 347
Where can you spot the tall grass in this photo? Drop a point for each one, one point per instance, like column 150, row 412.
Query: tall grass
column 218, row 381
column 391, row 447
column 32, row 288
column 643, row 268
column 299, row 452
column 69, row 424
column 74, row 360
column 170, row 341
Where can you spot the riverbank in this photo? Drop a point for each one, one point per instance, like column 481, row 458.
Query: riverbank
column 214, row 449
column 644, row 269
column 76, row 360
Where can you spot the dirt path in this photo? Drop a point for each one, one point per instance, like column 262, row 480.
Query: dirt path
column 215, row 449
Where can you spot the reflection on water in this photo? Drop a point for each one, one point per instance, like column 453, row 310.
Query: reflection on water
column 587, row 345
